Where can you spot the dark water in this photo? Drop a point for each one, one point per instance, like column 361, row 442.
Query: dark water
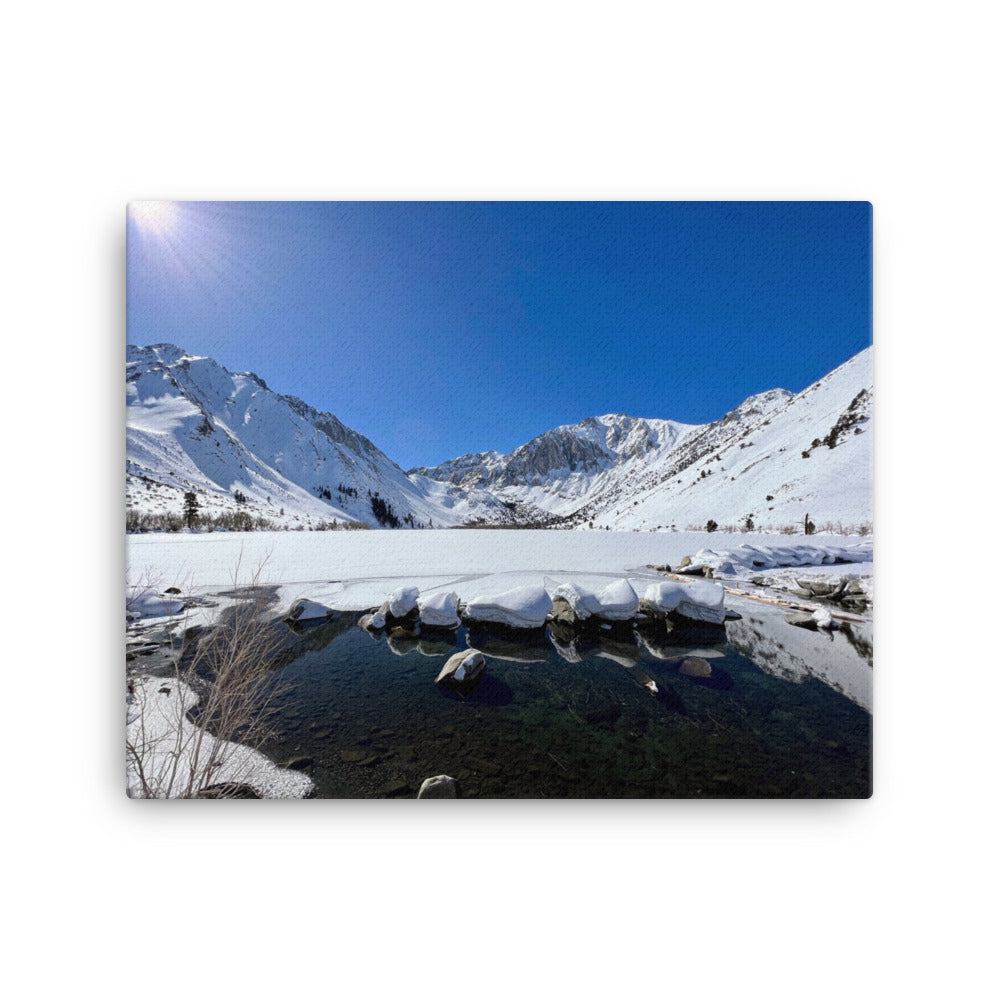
column 364, row 718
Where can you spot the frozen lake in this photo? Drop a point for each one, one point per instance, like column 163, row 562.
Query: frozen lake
column 785, row 714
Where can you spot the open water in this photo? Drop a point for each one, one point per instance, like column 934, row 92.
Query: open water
column 557, row 718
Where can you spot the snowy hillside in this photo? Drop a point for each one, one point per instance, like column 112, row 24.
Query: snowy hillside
column 775, row 459
column 757, row 461
column 194, row 426
column 191, row 425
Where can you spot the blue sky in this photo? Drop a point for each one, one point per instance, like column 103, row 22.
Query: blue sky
column 439, row 328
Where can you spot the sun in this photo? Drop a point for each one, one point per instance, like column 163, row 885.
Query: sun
column 154, row 217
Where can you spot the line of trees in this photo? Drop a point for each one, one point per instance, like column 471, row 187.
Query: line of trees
column 384, row 513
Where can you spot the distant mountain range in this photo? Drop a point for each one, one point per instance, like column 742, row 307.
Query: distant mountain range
column 193, row 426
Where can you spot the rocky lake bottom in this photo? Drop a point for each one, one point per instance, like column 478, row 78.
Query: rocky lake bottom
column 554, row 717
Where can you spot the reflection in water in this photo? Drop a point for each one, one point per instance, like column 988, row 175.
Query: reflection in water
column 841, row 659
column 534, row 649
column 598, row 713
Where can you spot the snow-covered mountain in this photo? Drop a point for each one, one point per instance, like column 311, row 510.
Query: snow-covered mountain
column 191, row 425
column 194, row 426
column 558, row 471
column 775, row 459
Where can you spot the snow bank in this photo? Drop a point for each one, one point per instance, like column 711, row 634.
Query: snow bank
column 368, row 560
column 439, row 610
column 522, row 607
column 169, row 753
column 704, row 602
column 748, row 558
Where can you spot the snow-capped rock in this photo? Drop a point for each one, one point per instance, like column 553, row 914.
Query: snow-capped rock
column 522, row 607
column 150, row 604
column 439, row 610
column 704, row 602
column 402, row 601
column 462, row 669
column 615, row 602
column 305, row 610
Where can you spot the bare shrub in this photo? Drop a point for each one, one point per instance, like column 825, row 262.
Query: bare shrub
column 203, row 725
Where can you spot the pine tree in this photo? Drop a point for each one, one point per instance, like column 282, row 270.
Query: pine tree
column 191, row 508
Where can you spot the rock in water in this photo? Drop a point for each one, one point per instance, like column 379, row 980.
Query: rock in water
column 695, row 666
column 462, row 672
column 465, row 666
column 441, row 786
column 372, row 622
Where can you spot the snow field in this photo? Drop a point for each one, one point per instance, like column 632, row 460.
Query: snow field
column 596, row 572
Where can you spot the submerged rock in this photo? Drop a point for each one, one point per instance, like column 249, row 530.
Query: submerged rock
column 300, row 763
column 398, row 632
column 695, row 666
column 441, row 786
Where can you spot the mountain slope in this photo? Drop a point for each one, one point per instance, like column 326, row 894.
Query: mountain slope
column 775, row 459
column 624, row 473
column 191, row 425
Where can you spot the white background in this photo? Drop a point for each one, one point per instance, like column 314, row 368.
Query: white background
column 108, row 102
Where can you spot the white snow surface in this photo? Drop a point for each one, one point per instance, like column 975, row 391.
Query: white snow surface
column 747, row 559
column 445, row 566
column 469, row 563
column 171, row 749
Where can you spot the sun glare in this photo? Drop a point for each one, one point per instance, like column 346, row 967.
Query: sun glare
column 156, row 217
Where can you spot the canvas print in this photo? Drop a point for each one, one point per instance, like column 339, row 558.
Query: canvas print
column 499, row 500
